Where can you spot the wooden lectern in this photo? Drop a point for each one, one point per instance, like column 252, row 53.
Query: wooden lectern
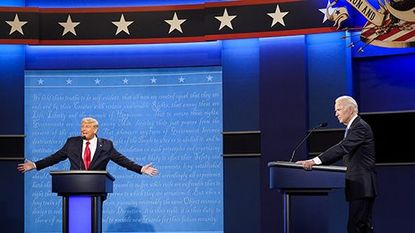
column 83, row 193
column 314, row 201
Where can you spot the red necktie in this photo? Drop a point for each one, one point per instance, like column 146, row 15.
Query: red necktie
column 87, row 156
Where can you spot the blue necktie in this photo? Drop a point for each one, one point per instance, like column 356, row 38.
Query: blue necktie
column 345, row 132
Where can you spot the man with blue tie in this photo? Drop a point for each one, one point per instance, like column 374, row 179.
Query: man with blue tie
column 88, row 152
column 357, row 149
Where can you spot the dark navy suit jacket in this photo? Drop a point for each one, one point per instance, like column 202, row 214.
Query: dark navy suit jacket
column 357, row 150
column 72, row 150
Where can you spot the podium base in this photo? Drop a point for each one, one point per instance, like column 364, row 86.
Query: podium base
column 82, row 214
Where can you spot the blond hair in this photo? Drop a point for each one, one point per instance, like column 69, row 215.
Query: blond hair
column 90, row 120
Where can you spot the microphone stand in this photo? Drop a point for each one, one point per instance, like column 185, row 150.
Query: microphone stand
column 321, row 125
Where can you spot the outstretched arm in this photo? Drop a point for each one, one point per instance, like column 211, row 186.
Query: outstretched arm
column 123, row 161
column 26, row 166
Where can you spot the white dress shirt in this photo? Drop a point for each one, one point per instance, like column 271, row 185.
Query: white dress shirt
column 92, row 147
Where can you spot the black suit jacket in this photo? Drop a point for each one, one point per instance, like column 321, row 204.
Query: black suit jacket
column 357, row 150
column 72, row 150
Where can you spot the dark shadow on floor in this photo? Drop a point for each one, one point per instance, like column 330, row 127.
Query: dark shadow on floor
column 132, row 222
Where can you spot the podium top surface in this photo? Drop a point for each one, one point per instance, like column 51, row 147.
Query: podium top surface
column 82, row 172
column 317, row 167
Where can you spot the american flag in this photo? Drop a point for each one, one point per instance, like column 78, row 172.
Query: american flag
column 393, row 33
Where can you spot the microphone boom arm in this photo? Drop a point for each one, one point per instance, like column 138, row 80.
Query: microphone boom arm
column 321, row 125
column 302, row 141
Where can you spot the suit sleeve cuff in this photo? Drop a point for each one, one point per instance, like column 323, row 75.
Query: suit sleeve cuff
column 317, row 160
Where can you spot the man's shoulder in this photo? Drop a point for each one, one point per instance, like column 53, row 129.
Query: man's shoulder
column 362, row 124
column 104, row 141
column 73, row 141
column 75, row 138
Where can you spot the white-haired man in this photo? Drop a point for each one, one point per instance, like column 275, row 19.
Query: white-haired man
column 357, row 149
column 88, row 152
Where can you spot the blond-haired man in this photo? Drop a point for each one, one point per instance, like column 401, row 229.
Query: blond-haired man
column 88, row 152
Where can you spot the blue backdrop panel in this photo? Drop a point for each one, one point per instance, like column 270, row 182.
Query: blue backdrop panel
column 171, row 117
column 385, row 83
column 283, row 113
column 124, row 56
column 12, row 61
column 11, row 198
column 240, row 61
column 329, row 81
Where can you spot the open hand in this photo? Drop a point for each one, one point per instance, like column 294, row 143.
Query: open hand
column 26, row 166
column 149, row 170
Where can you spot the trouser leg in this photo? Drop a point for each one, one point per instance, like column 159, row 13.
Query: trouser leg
column 360, row 216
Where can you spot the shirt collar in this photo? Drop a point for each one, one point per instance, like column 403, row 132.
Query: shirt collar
column 351, row 121
column 92, row 141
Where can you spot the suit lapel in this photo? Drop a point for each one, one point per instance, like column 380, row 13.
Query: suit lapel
column 355, row 122
column 97, row 152
column 79, row 145
column 346, row 158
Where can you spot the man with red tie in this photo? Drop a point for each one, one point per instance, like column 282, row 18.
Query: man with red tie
column 88, row 152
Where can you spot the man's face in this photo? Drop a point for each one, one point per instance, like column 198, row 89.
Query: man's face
column 88, row 130
column 344, row 112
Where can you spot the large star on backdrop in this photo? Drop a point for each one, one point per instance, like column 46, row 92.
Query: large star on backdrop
column 16, row 25
column 225, row 20
column 175, row 23
column 122, row 25
column 323, row 10
column 69, row 26
column 278, row 16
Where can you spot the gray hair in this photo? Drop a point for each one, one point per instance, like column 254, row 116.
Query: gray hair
column 348, row 101
column 90, row 120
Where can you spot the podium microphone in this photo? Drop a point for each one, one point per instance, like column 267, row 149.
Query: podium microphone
column 321, row 125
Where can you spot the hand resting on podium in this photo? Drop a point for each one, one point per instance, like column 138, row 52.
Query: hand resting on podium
column 307, row 164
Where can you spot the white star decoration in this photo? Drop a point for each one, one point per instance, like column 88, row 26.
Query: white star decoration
column 69, row 26
column 323, row 10
column 209, row 78
column 97, row 81
column 181, row 80
column 278, row 16
column 153, row 80
column 225, row 20
column 69, row 81
column 175, row 23
column 40, row 82
column 16, row 25
column 122, row 25
column 125, row 81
